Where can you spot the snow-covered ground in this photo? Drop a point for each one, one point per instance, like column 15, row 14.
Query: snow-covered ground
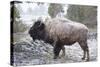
column 27, row 52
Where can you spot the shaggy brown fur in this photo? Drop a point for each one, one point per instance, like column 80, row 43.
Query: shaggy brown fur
column 68, row 32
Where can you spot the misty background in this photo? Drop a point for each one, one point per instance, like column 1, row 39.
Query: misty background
column 25, row 13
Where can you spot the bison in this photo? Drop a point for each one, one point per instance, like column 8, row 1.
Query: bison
column 59, row 32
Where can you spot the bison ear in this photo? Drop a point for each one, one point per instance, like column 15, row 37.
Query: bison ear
column 42, row 26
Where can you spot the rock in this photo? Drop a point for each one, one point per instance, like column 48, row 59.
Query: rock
column 38, row 51
column 21, row 46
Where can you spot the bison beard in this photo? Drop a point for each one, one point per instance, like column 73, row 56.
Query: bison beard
column 39, row 31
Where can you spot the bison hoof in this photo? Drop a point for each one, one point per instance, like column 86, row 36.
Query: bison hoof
column 83, row 58
column 87, row 60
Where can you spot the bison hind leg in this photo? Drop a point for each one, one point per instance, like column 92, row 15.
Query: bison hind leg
column 85, row 49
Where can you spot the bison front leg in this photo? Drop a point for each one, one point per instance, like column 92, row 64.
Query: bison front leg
column 56, row 50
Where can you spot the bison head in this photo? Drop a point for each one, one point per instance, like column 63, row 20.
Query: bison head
column 38, row 32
